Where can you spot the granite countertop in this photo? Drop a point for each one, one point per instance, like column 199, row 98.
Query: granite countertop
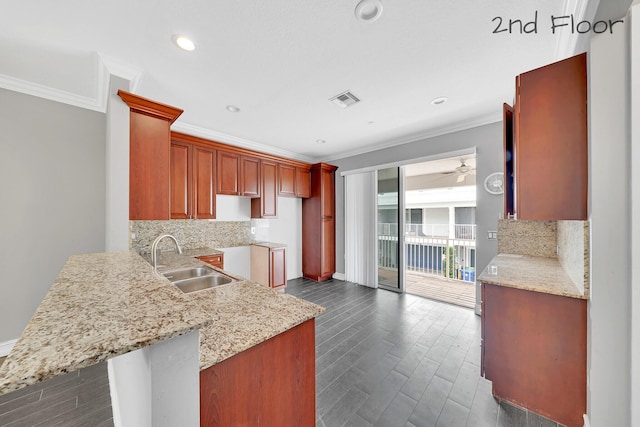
column 104, row 305
column 270, row 245
column 201, row 252
column 539, row 274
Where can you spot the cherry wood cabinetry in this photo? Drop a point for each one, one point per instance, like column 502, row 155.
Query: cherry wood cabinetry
column 303, row 182
column 294, row 181
column 318, row 225
column 149, row 142
column 269, row 266
column 193, row 177
column 266, row 206
column 286, row 180
column 214, row 260
column 534, row 350
column 228, row 173
column 270, row 384
column 181, row 191
column 238, row 175
column 550, row 143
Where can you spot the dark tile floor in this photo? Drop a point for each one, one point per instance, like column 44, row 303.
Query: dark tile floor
column 384, row 359
column 77, row 399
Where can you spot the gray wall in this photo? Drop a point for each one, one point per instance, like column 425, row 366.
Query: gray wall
column 52, row 180
column 489, row 158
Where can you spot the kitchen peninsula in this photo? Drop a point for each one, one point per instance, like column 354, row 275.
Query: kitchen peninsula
column 109, row 304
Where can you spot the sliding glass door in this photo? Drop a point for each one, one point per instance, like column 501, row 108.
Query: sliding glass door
column 390, row 233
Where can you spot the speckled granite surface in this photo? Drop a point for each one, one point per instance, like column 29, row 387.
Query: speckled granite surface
column 573, row 241
column 103, row 305
column 191, row 234
column 539, row 274
column 532, row 238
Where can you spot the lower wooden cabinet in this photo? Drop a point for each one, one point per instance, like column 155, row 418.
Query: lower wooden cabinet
column 270, row 384
column 534, row 350
column 214, row 260
column 269, row 266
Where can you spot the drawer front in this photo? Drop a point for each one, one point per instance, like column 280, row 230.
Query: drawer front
column 215, row 260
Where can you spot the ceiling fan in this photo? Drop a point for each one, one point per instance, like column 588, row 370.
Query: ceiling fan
column 462, row 171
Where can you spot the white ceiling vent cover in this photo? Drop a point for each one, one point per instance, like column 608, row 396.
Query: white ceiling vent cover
column 345, row 99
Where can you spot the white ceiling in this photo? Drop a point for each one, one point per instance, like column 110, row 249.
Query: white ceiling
column 280, row 61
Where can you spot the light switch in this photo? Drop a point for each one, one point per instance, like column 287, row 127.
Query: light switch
column 253, row 230
column 492, row 235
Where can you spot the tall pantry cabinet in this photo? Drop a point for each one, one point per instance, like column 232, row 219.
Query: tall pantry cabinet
column 319, row 225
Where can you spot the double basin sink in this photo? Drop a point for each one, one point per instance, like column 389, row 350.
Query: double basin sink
column 193, row 279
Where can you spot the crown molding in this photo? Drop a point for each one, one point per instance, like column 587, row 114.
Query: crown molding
column 107, row 67
column 432, row 133
column 52, row 94
column 568, row 42
column 237, row 141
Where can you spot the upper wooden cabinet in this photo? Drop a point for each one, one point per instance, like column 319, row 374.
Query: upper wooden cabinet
column 249, row 176
column 303, row 182
column 318, row 225
column 266, row 206
column 193, row 177
column 149, row 151
column 228, row 173
column 181, row 191
column 550, row 142
column 293, row 181
column 286, row 180
column 238, row 175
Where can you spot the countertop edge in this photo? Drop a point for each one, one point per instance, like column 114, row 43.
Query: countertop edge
column 568, row 287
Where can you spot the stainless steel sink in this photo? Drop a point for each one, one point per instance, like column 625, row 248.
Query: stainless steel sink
column 197, row 278
column 187, row 273
column 203, row 282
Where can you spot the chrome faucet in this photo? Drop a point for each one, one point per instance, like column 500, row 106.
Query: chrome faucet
column 154, row 248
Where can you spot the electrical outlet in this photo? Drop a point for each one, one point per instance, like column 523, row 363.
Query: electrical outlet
column 253, row 230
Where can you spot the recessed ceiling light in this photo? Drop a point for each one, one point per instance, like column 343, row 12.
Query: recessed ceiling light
column 368, row 10
column 183, row 42
column 232, row 108
column 439, row 100
column 320, row 141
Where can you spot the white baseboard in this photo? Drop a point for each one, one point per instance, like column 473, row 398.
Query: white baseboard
column 587, row 423
column 478, row 309
column 339, row 276
column 6, row 347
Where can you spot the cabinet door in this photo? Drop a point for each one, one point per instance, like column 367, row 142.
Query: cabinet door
column 328, row 265
column 180, row 180
column 303, row 183
column 228, row 173
column 278, row 269
column 286, row 180
column 266, row 206
column 149, row 175
column 551, row 142
column 327, row 193
column 250, row 176
column 204, row 180
column 509, row 160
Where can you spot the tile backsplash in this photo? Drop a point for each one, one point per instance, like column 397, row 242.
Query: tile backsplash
column 190, row 233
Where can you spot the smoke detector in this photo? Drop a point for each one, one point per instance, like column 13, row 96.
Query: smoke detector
column 345, row 99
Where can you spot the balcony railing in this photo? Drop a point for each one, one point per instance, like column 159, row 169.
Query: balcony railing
column 435, row 253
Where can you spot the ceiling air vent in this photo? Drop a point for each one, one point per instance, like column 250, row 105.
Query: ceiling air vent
column 345, row 99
